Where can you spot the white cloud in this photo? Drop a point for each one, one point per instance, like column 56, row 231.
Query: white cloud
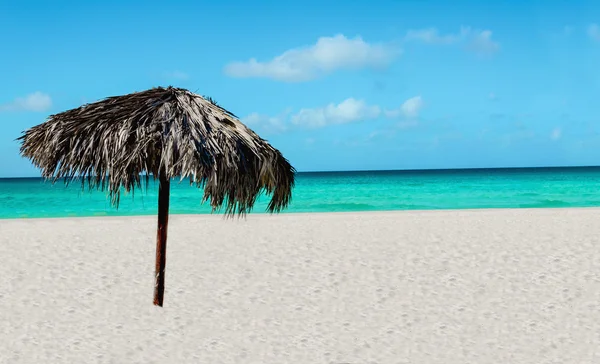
column 481, row 42
column 556, row 134
column 594, row 31
column 177, row 75
column 275, row 124
column 252, row 119
column 326, row 56
column 478, row 41
column 36, row 101
column 409, row 109
column 347, row 111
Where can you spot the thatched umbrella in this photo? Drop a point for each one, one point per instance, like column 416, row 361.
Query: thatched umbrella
column 166, row 132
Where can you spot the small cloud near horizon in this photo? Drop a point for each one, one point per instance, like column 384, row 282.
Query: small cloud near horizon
column 37, row 101
column 409, row 109
column 348, row 111
column 272, row 124
column 412, row 107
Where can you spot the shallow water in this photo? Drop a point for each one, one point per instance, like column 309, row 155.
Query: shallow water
column 332, row 192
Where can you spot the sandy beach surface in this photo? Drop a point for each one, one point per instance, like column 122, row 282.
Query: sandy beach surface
column 487, row 286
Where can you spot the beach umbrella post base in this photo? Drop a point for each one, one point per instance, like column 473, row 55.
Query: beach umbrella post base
column 161, row 239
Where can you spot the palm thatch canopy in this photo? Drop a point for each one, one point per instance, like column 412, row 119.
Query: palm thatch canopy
column 170, row 132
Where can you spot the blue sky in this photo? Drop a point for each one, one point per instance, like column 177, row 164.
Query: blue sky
column 334, row 85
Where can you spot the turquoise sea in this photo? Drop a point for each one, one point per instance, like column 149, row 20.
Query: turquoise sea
column 332, row 192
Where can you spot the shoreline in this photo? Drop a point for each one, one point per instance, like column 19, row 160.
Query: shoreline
column 321, row 213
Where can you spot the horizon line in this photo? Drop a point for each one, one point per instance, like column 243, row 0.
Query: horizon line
column 410, row 170
column 451, row 169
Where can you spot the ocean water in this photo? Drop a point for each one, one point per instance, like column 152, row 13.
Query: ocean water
column 332, row 192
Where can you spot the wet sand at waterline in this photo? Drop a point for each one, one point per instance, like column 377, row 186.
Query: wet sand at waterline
column 462, row 286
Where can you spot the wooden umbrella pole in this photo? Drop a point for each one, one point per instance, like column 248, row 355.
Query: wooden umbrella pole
column 161, row 238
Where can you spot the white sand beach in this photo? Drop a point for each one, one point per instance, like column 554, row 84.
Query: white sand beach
column 487, row 286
